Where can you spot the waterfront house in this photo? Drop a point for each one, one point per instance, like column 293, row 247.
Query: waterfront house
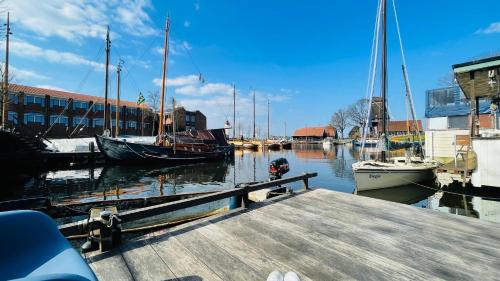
column 314, row 134
column 186, row 120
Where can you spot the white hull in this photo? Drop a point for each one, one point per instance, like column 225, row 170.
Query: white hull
column 387, row 175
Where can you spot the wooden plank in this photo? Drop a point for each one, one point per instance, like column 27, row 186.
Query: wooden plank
column 180, row 260
column 225, row 264
column 349, row 259
column 299, row 257
column 109, row 266
column 253, row 256
column 404, row 247
column 429, row 234
column 144, row 263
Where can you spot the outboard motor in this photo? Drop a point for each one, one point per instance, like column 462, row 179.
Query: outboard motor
column 277, row 168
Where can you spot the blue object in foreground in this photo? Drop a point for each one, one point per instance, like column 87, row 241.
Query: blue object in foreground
column 34, row 249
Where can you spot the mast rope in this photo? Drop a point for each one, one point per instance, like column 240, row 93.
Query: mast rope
column 405, row 70
column 373, row 70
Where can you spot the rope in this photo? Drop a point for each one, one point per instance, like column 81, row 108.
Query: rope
column 407, row 80
column 372, row 82
column 81, row 120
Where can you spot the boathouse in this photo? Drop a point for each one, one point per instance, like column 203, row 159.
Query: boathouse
column 314, row 134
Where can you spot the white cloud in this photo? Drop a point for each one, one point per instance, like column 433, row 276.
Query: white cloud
column 175, row 48
column 187, row 23
column 179, row 81
column 21, row 74
column 27, row 50
column 74, row 20
column 492, row 28
column 51, row 88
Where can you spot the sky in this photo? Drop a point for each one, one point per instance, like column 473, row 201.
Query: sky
column 308, row 58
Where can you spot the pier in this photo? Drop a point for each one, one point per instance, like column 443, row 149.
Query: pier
column 321, row 235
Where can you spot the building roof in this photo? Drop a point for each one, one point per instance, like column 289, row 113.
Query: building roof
column 67, row 95
column 400, row 126
column 315, row 132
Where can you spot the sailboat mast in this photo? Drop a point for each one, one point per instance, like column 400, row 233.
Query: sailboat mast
column 5, row 107
column 106, row 77
column 234, row 111
column 254, row 114
column 268, row 118
column 162, row 100
column 117, row 116
column 173, row 121
column 384, row 80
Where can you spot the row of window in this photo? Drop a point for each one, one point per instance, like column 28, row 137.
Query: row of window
column 56, row 102
column 33, row 117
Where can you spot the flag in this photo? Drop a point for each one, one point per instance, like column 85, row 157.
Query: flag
column 141, row 99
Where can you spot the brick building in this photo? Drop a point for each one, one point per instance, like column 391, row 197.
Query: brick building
column 314, row 133
column 82, row 115
column 186, row 120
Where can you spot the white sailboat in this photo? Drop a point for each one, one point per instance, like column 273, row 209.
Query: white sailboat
column 398, row 171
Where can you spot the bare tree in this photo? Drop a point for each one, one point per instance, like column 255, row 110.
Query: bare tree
column 357, row 113
column 154, row 100
column 339, row 121
column 448, row 80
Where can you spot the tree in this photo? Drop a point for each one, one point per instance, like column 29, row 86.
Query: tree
column 339, row 121
column 448, row 80
column 154, row 100
column 357, row 113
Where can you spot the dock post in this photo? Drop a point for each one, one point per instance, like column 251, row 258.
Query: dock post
column 244, row 197
column 91, row 158
column 306, row 182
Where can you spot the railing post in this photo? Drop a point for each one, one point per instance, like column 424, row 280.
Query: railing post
column 244, row 197
column 306, row 182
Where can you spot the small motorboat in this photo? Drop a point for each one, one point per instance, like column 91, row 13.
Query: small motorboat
column 250, row 146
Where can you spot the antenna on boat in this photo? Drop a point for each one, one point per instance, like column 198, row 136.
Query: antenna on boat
column 5, row 114
column 106, row 77
column 117, row 116
column 163, row 82
column 268, row 118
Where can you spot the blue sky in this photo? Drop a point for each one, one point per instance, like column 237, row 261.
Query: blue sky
column 309, row 58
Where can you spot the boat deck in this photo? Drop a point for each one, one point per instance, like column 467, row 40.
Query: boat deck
column 321, row 235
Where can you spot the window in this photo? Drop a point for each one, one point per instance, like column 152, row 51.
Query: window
column 98, row 107
column 132, row 110
column 58, row 120
column 80, row 104
column 147, row 125
column 132, row 124
column 58, row 102
column 98, row 122
column 33, row 117
column 113, row 108
column 29, row 99
column 113, row 123
column 12, row 117
column 80, row 121
column 193, row 118
column 13, row 98
column 458, row 122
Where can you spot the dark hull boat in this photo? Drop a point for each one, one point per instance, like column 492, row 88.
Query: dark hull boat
column 121, row 151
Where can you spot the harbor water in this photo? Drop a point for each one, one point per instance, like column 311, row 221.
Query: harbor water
column 333, row 166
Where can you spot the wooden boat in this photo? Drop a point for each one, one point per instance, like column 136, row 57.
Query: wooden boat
column 186, row 147
column 386, row 173
column 286, row 144
column 250, row 146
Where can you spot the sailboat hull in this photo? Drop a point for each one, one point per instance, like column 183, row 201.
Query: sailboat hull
column 371, row 178
column 120, row 151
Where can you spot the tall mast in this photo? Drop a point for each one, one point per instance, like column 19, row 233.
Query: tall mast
column 234, row 111
column 285, row 129
column 5, row 107
column 384, row 80
column 117, row 124
column 173, row 121
column 163, row 81
column 106, row 76
column 254, row 114
column 268, row 119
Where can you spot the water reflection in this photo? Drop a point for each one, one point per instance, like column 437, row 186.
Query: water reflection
column 333, row 166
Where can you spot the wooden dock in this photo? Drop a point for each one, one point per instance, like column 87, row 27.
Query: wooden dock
column 321, row 235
